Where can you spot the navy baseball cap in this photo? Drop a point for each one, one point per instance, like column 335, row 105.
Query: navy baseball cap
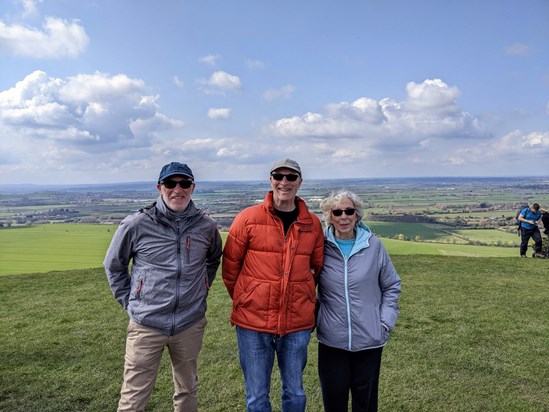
column 175, row 169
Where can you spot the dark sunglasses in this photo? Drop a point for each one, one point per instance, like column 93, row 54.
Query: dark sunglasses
column 339, row 212
column 183, row 184
column 280, row 176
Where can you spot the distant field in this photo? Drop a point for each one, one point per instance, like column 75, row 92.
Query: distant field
column 50, row 247
column 44, row 248
column 444, row 234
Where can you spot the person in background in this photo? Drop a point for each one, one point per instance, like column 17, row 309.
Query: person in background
column 358, row 294
column 175, row 251
column 528, row 218
column 271, row 260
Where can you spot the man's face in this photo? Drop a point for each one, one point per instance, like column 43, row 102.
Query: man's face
column 176, row 197
column 284, row 190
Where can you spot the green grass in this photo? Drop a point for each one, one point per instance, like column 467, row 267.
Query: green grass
column 58, row 246
column 443, row 234
column 45, row 248
column 472, row 336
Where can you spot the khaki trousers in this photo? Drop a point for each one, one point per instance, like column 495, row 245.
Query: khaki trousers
column 144, row 347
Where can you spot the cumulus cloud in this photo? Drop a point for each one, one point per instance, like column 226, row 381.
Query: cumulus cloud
column 58, row 38
column 85, row 115
column 284, row 92
column 219, row 113
column 514, row 146
column 220, row 82
column 430, row 111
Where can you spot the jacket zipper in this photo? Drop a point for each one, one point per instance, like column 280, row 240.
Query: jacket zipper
column 283, row 301
column 178, row 278
column 346, row 287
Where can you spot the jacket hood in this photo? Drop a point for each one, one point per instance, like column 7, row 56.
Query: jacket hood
column 362, row 240
column 158, row 211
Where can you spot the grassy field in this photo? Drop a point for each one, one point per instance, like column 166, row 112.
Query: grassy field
column 472, row 336
column 44, row 248
column 439, row 233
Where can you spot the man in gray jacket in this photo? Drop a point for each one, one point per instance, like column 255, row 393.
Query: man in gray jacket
column 174, row 250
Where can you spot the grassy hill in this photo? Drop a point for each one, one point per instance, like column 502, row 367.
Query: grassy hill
column 472, row 336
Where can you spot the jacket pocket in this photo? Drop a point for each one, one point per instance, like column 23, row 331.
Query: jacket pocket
column 302, row 305
column 367, row 330
column 245, row 298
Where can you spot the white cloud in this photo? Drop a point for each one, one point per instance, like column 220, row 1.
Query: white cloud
column 429, row 111
column 220, row 82
column 284, row 92
column 255, row 64
column 512, row 147
column 58, row 38
column 219, row 113
column 518, row 49
column 178, row 82
column 79, row 120
column 30, row 7
column 210, row 59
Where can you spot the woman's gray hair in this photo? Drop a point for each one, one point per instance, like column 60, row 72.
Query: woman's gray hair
column 329, row 203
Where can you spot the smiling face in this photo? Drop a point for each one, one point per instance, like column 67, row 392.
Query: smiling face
column 344, row 225
column 177, row 199
column 284, row 191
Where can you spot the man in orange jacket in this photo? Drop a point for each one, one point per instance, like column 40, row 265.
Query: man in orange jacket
column 272, row 256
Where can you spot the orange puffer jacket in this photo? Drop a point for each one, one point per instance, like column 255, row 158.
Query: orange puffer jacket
column 271, row 277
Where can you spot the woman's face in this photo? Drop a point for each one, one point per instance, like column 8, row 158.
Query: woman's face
column 344, row 224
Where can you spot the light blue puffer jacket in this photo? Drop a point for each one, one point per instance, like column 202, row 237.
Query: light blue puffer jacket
column 358, row 296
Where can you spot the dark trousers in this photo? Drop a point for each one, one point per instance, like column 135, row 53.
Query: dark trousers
column 341, row 371
column 525, row 235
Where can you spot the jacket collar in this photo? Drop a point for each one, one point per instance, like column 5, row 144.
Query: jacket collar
column 303, row 214
column 160, row 212
column 362, row 239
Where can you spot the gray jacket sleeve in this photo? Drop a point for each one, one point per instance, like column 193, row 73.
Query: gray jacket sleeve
column 117, row 262
column 214, row 256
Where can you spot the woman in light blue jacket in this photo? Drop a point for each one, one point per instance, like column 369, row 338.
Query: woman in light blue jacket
column 358, row 293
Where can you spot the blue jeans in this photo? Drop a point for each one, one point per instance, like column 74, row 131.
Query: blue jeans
column 257, row 351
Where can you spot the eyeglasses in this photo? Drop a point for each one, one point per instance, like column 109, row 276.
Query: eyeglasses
column 280, row 176
column 339, row 212
column 183, row 184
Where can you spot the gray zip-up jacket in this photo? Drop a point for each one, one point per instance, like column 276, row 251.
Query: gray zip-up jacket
column 174, row 259
column 358, row 296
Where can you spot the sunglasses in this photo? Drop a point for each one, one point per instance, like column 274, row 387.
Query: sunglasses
column 183, row 184
column 339, row 212
column 280, row 176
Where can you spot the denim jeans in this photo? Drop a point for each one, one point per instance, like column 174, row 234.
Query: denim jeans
column 257, row 352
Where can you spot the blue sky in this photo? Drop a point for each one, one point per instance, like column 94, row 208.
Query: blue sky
column 97, row 91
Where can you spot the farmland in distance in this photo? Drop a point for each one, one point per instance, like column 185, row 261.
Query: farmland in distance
column 70, row 227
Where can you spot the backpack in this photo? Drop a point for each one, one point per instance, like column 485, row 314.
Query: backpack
column 518, row 222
